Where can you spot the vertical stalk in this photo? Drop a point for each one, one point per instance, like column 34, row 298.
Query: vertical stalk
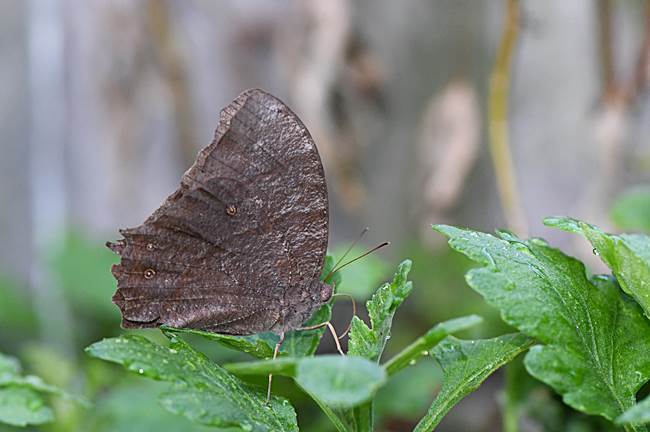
column 498, row 123
column 605, row 45
column 499, row 90
column 510, row 422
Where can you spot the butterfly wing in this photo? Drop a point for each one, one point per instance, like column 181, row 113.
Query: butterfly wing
column 243, row 237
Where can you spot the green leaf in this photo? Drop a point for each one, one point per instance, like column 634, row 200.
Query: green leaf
column 597, row 352
column 22, row 406
column 131, row 406
column 298, row 343
column 423, row 344
column 632, row 210
column 638, row 414
column 258, row 345
column 465, row 365
column 338, row 381
column 9, row 365
column 369, row 342
column 201, row 390
column 627, row 255
column 22, row 400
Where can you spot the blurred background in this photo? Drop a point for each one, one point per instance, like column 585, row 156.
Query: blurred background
column 482, row 114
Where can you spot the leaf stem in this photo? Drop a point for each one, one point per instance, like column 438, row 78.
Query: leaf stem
column 424, row 343
column 329, row 412
column 363, row 415
column 510, row 409
column 498, row 124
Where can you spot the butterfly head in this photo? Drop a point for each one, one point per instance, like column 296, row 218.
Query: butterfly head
column 326, row 291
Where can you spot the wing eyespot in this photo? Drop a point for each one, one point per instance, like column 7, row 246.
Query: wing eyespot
column 150, row 246
column 231, row 210
column 149, row 273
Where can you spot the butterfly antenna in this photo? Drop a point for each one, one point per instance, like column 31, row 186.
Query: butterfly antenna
column 360, row 256
column 347, row 251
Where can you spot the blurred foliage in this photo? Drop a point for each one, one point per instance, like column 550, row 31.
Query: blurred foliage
column 443, row 294
column 16, row 315
column 631, row 211
column 132, row 406
column 24, row 399
column 82, row 266
column 416, row 387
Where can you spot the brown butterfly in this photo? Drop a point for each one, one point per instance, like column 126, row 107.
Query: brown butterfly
column 239, row 247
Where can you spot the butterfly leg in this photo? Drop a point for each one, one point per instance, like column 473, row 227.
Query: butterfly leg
column 354, row 312
column 331, row 329
column 275, row 354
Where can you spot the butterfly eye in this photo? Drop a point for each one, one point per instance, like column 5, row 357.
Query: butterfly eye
column 149, row 273
column 231, row 210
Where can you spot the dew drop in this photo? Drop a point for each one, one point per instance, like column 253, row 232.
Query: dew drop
column 173, row 351
column 140, row 371
column 412, row 362
column 424, row 353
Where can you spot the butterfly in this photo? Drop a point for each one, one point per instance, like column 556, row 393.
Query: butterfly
column 239, row 247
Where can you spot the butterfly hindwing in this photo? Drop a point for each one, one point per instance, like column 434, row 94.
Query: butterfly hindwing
column 238, row 245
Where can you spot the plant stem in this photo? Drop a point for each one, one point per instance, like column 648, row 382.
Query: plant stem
column 329, row 412
column 423, row 344
column 502, row 160
column 510, row 413
column 605, row 45
column 498, row 124
column 363, row 416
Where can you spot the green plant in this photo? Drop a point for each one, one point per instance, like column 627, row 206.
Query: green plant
column 342, row 386
column 23, row 398
column 586, row 337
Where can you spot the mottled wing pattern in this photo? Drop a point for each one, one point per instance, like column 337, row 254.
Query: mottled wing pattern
column 243, row 237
